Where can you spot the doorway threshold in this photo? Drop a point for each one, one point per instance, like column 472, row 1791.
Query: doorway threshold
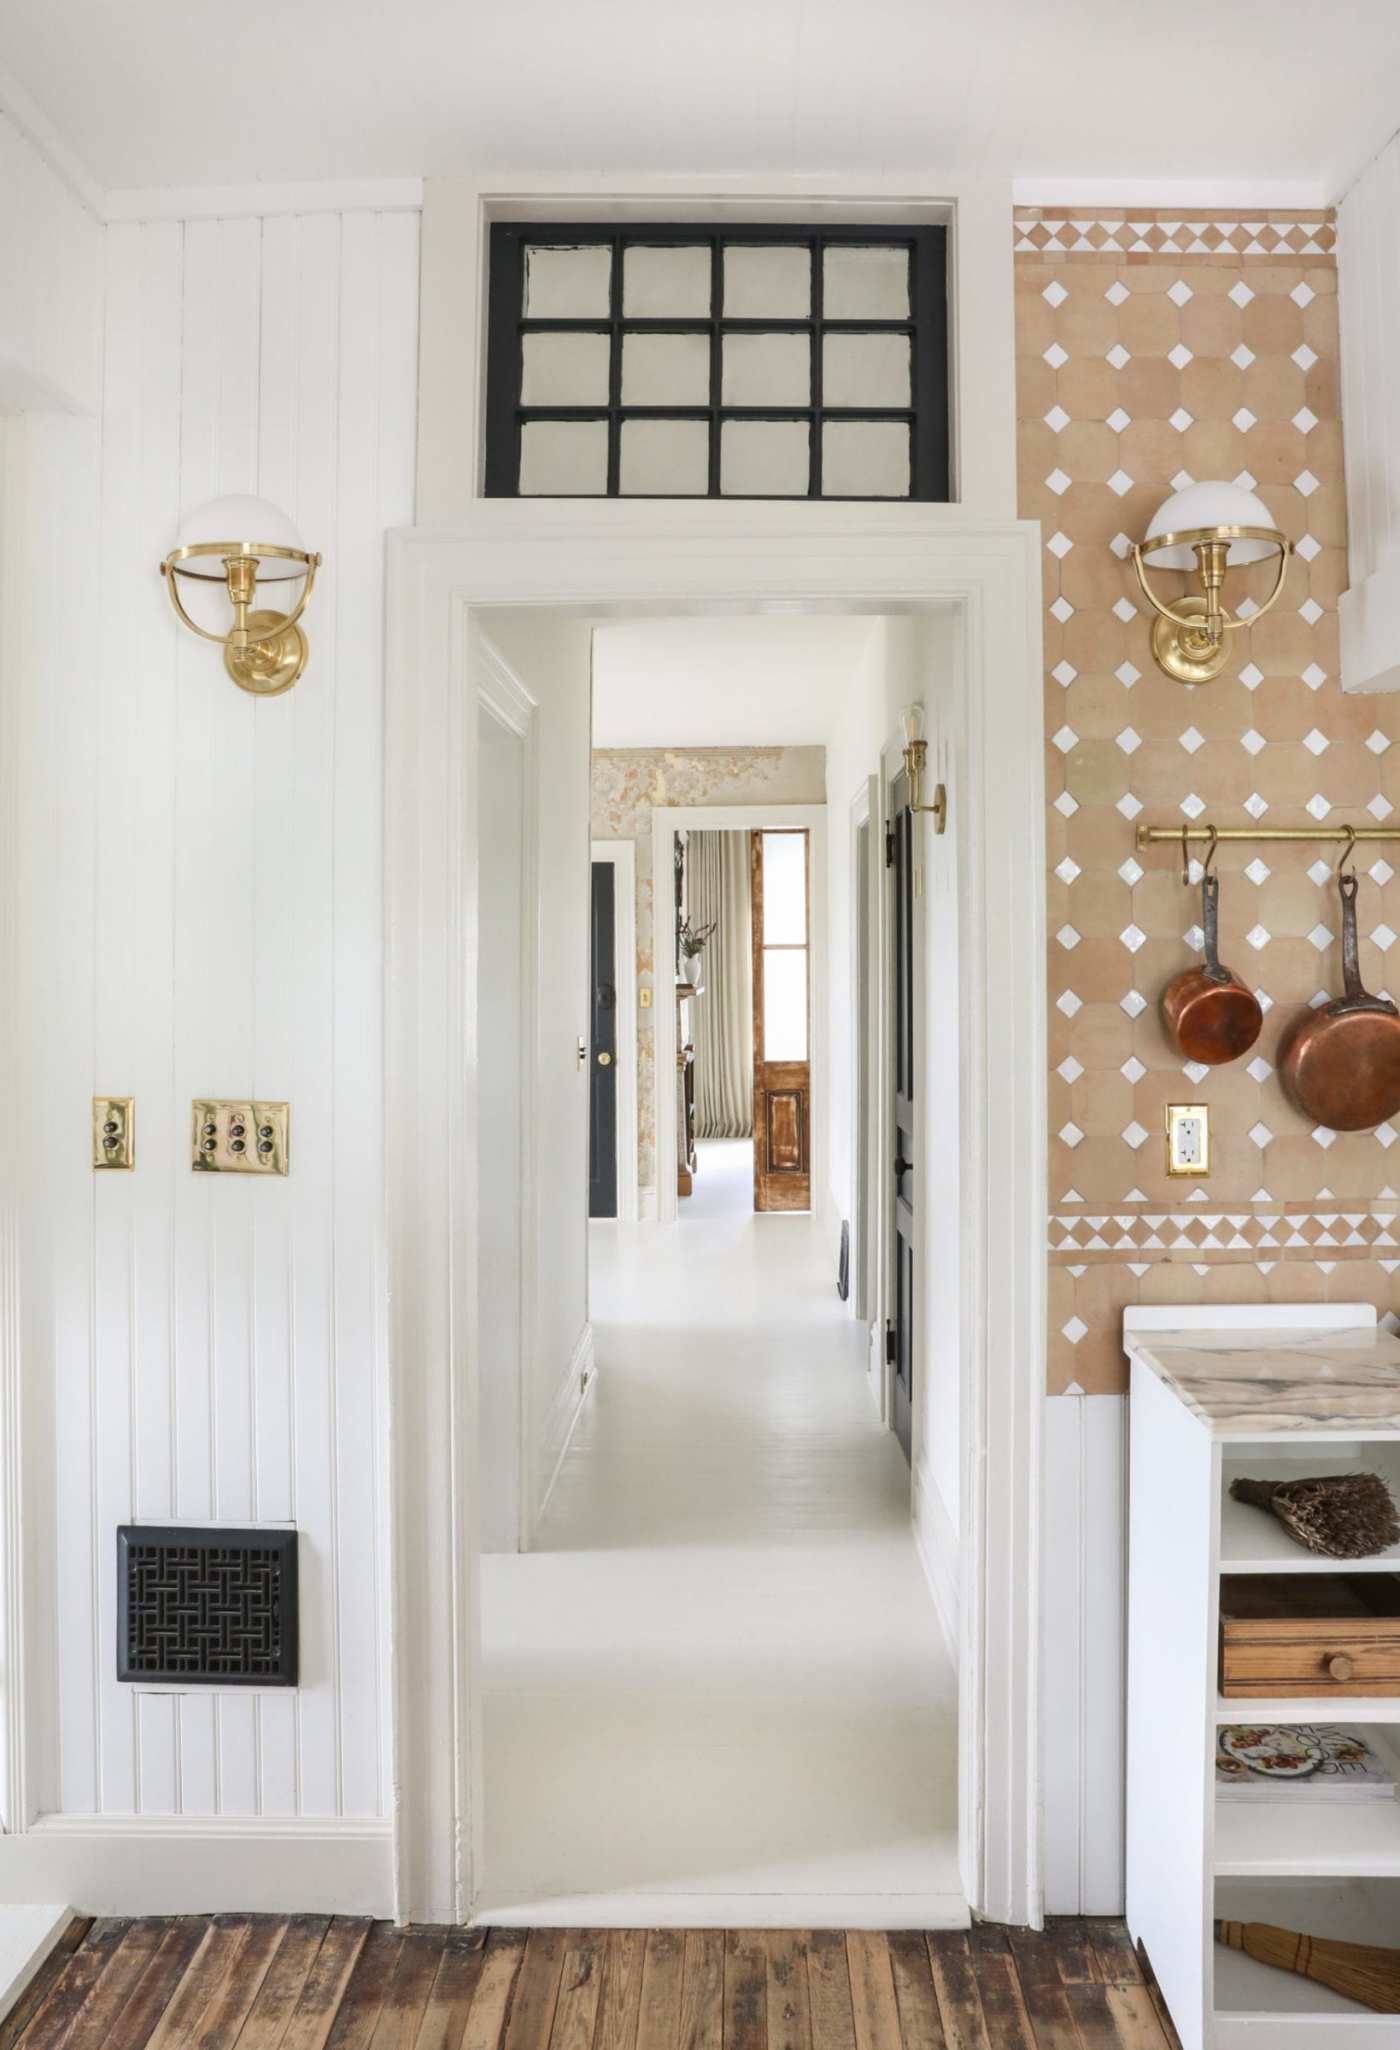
column 722, row 1911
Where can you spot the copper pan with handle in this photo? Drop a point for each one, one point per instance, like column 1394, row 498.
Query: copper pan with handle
column 1208, row 1013
column 1340, row 1064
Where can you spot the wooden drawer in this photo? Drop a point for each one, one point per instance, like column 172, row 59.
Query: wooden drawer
column 1309, row 1634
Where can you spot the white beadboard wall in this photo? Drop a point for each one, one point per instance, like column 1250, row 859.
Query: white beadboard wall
column 1084, row 1678
column 218, row 1346
column 1368, row 262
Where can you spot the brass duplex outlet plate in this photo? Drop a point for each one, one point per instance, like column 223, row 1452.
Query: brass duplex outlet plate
column 113, row 1131
column 229, row 1137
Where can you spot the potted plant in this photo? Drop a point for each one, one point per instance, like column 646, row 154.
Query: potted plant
column 690, row 949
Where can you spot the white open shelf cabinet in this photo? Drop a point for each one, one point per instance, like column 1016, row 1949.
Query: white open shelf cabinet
column 1331, row 1871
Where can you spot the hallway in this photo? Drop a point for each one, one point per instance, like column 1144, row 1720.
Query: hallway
column 720, row 1680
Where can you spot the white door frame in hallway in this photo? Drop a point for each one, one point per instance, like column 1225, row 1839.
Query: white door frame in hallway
column 632, row 559
column 623, row 856
column 666, row 821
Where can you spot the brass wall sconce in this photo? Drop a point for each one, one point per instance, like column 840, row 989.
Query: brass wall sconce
column 1209, row 529
column 227, row 553
column 911, row 721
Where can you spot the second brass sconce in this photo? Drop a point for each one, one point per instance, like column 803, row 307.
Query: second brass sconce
column 911, row 721
column 1207, row 529
column 227, row 553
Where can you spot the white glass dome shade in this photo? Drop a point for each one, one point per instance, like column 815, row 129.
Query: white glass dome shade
column 239, row 524
column 1201, row 510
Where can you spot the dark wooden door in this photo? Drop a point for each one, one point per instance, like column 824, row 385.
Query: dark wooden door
column 602, row 1075
column 782, row 1054
column 904, row 1034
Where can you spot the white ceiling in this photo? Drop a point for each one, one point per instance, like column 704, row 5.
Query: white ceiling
column 724, row 682
column 1285, row 94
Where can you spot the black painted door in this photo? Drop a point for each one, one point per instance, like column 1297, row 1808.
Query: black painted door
column 904, row 1038
column 602, row 1066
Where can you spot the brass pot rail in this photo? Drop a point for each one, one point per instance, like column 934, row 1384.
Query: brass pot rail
column 1154, row 836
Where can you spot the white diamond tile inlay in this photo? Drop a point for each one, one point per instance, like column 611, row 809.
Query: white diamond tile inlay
column 1260, row 1134
column 1130, row 872
column 1240, row 293
column 1308, row 548
column 1055, row 293
column 1118, row 356
column 1075, row 1329
column 1306, row 483
column 1316, row 743
column 1132, row 1069
column 1256, row 805
column 1258, row 871
column 1259, row 937
column 1302, row 293
column 1191, row 740
column 1127, row 675
column 1133, row 1135
column 1132, row 937
column 1305, row 420
column 1062, row 610
column 1134, row 1003
column 1066, row 805
column 1129, row 741
column 1251, row 676
column 1180, row 292
column 1259, row 1068
column 1320, row 872
column 1129, row 805
column 1252, row 740
column 1383, row 937
column 1317, row 804
column 1310, row 610
column 1377, row 742
column 1055, row 356
column 1118, row 420
column 1058, row 482
column 1242, row 357
column 1059, row 544
column 1244, row 419
column 1179, row 357
column 1181, row 420
column 1323, row 1137
column 1120, row 482
column 1068, row 938
column 1116, row 293
column 1380, row 872
column 1193, row 806
column 1124, row 610
column 1070, row 1134
column 1070, row 1069
column 1065, row 739
column 1304, row 357
column 1320, row 936
column 1068, row 870
column 1314, row 677
column 1069, row 1003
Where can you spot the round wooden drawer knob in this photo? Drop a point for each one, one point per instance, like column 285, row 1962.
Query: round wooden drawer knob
column 1340, row 1666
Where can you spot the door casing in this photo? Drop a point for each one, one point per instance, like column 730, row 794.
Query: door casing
column 982, row 578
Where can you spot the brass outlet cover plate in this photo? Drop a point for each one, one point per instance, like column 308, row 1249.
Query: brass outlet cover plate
column 229, row 1136
column 113, row 1131
column 1188, row 1139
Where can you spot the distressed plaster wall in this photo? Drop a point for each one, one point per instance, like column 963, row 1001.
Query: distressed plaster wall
column 628, row 784
column 1149, row 353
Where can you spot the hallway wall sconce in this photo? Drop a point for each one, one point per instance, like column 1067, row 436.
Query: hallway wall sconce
column 227, row 553
column 1205, row 529
column 911, row 721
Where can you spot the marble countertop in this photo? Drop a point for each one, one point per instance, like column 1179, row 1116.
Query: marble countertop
column 1246, row 1383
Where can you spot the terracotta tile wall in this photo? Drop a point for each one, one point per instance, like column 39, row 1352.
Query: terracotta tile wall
column 1150, row 352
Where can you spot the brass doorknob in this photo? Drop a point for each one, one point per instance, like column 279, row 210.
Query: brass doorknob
column 605, row 1060
column 1340, row 1666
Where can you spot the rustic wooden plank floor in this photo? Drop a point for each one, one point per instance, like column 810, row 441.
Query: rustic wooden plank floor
column 318, row 1983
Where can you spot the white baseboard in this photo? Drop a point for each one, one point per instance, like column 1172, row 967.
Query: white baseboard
column 722, row 1911
column 937, row 1543
column 179, row 1865
column 563, row 1415
column 27, row 1935
column 646, row 1203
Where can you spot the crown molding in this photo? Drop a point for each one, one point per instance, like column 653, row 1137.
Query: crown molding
column 1236, row 195
column 223, row 202
column 42, row 136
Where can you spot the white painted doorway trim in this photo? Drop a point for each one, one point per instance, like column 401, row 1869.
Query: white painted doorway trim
column 666, row 822
column 624, row 560
column 623, row 856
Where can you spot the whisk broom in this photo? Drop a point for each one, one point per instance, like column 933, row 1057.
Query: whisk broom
column 1360, row 1971
column 1344, row 1516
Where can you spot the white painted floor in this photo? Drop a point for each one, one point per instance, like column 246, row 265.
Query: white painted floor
column 717, row 1693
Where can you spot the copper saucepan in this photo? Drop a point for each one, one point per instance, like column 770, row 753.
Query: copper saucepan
column 1340, row 1064
column 1207, row 1011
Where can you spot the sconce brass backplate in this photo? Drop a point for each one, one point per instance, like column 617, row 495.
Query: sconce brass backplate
column 238, row 1138
column 1174, row 649
column 113, row 1131
column 267, row 667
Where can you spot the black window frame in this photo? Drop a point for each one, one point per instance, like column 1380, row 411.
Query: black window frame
column 928, row 414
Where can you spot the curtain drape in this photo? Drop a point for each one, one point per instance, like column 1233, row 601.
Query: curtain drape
column 717, row 887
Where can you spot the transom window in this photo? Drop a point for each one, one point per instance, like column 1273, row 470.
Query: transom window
column 689, row 362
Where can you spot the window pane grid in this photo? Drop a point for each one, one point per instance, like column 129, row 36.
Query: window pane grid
column 915, row 466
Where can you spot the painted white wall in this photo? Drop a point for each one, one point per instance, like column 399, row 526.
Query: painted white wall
column 551, row 658
column 51, row 307
column 1368, row 262
column 198, row 911
column 758, row 682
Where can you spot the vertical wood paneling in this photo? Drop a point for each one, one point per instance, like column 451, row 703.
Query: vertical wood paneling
column 1084, row 1651
column 217, row 1348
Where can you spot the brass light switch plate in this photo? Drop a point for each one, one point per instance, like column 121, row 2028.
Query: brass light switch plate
column 238, row 1138
column 1188, row 1139
column 113, row 1131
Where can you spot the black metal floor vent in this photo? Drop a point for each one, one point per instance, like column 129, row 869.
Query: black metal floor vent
column 207, row 1606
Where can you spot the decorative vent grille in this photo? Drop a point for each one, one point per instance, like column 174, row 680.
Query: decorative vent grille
column 207, row 1606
